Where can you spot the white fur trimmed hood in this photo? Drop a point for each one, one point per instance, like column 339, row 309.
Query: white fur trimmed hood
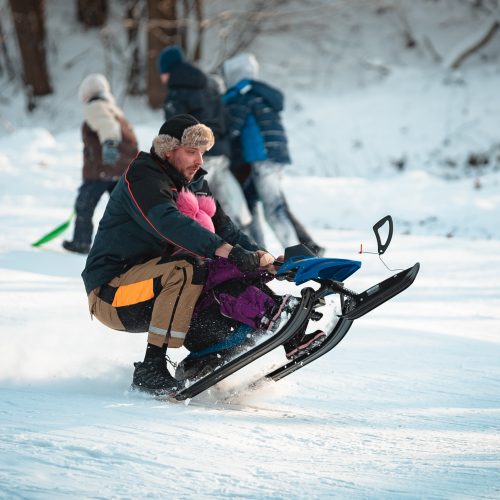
column 93, row 85
column 242, row 66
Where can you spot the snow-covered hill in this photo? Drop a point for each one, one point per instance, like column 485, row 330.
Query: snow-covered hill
column 407, row 406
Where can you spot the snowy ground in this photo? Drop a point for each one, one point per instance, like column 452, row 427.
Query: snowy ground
column 407, row 405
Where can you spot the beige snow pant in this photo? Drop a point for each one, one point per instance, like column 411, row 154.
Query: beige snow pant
column 158, row 297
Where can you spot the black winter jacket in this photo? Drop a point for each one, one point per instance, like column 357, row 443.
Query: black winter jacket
column 190, row 91
column 141, row 222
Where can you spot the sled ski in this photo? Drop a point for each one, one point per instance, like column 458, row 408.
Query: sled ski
column 380, row 293
column 333, row 338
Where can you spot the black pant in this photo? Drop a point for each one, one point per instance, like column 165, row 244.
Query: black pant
column 89, row 194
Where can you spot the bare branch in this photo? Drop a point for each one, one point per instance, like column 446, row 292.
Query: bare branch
column 436, row 56
column 476, row 46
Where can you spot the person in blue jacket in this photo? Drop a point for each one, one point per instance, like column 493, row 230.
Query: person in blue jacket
column 259, row 138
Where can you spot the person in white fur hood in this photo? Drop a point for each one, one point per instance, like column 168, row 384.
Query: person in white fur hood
column 109, row 145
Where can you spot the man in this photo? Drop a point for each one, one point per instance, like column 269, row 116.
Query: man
column 189, row 90
column 144, row 271
column 109, row 145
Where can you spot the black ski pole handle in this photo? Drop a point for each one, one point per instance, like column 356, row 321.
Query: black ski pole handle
column 382, row 247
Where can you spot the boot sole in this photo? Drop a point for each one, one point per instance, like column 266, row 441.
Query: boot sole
column 315, row 341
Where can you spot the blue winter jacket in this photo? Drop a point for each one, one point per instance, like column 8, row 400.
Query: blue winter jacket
column 254, row 118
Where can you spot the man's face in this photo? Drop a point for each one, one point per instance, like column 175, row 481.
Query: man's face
column 187, row 161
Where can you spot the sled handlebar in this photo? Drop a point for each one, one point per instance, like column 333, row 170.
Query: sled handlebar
column 382, row 247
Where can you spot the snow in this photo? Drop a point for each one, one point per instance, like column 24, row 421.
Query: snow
column 408, row 404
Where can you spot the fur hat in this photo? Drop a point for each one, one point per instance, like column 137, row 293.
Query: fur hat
column 182, row 131
column 168, row 58
column 94, row 84
column 242, row 66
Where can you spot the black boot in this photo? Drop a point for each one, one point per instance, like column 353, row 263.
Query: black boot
column 74, row 246
column 301, row 343
column 197, row 367
column 152, row 375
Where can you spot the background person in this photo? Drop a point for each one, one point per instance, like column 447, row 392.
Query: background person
column 109, row 145
column 259, row 140
column 189, row 90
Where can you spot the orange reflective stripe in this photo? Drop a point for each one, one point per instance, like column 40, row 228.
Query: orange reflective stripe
column 127, row 295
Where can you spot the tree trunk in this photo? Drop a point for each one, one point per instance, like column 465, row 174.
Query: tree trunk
column 191, row 8
column 29, row 22
column 132, row 24
column 201, row 28
column 7, row 65
column 162, row 31
column 182, row 29
column 92, row 13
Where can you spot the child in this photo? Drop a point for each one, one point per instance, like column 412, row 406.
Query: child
column 109, row 145
column 259, row 139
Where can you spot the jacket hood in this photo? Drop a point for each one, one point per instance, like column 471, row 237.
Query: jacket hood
column 272, row 96
column 242, row 66
column 187, row 75
column 94, row 85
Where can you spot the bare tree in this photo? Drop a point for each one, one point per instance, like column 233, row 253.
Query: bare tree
column 29, row 23
column 92, row 13
column 162, row 31
column 182, row 30
column 198, row 6
column 132, row 25
column 191, row 8
column 238, row 29
column 6, row 66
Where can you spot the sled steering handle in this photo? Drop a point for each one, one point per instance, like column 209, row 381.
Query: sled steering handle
column 382, row 247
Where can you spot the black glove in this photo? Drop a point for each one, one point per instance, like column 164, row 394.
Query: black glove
column 110, row 152
column 244, row 260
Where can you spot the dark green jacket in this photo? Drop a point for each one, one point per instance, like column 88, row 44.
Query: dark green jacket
column 141, row 222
